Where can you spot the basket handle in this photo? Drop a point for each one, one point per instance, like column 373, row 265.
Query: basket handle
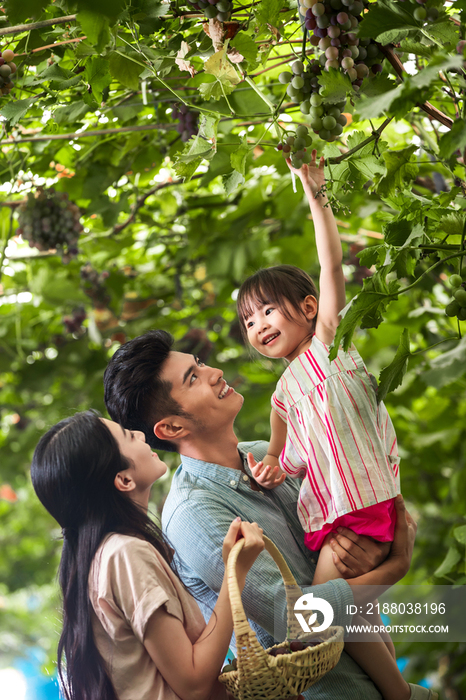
column 292, row 590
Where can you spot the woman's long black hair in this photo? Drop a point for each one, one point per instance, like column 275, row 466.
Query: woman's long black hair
column 73, row 472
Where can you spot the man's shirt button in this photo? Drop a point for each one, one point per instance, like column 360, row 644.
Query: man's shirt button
column 232, row 482
column 245, row 477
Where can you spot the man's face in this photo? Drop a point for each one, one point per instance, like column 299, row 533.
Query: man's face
column 201, row 391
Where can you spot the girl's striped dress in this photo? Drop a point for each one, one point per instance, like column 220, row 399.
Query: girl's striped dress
column 339, row 441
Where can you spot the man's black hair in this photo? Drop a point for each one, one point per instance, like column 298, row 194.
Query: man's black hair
column 135, row 395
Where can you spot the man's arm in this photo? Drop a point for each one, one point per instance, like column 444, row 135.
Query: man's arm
column 390, row 571
column 263, row 595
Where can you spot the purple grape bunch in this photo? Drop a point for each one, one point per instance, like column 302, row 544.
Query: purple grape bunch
column 187, row 121
column 327, row 119
column 332, row 28
column 74, row 322
column 93, row 284
column 7, row 71
column 48, row 220
column 214, row 9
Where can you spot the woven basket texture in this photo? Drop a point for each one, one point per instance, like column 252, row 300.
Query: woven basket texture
column 260, row 676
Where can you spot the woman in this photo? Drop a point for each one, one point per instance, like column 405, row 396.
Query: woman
column 130, row 628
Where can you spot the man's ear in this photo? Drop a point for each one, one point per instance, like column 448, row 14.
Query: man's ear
column 124, row 481
column 172, row 428
column 309, row 306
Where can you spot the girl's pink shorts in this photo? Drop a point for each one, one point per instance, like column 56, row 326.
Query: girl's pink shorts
column 377, row 521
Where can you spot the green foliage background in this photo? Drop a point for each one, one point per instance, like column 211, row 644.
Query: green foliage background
column 175, row 252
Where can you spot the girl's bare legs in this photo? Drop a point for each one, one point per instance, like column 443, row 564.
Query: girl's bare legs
column 376, row 656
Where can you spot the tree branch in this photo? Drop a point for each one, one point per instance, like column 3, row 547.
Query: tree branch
column 373, row 137
column 119, row 227
column 50, row 46
column 37, row 25
column 85, row 134
column 432, row 111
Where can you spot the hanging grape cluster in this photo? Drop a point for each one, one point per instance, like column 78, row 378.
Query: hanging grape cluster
column 7, row 71
column 48, row 220
column 74, row 322
column 423, row 14
column 296, row 147
column 187, row 121
column 331, row 26
column 93, row 283
column 214, row 9
column 457, row 306
column 327, row 120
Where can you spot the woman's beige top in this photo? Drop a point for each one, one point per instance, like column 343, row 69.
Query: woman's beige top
column 128, row 581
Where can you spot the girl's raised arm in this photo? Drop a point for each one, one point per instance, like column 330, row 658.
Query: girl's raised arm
column 332, row 282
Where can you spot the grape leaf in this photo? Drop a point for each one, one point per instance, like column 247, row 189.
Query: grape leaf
column 399, row 232
column 95, row 27
column 401, row 170
column 387, row 19
column 368, row 306
column 454, row 139
column 415, row 47
column 232, row 181
column 108, row 8
column 71, row 112
column 392, row 376
column 459, row 534
column 335, row 86
column 371, row 256
column 226, row 76
column 18, row 12
column 448, row 564
column 444, row 32
column 98, row 76
column 246, row 46
column 238, row 158
column 268, row 11
column 371, row 107
column 436, row 64
column 13, row 111
column 447, row 367
column 125, row 70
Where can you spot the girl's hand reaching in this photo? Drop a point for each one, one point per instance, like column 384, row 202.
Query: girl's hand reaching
column 311, row 175
column 268, row 476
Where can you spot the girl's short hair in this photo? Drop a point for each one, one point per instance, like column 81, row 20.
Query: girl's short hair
column 275, row 285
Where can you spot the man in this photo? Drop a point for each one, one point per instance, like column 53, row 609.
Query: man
column 185, row 406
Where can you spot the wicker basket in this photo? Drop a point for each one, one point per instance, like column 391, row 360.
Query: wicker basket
column 260, row 676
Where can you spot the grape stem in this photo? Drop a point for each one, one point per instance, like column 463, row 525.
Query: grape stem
column 373, row 137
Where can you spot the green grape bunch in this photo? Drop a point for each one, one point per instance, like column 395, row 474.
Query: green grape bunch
column 327, row 119
column 7, row 71
column 214, row 9
column 457, row 306
column 295, row 147
column 49, row 221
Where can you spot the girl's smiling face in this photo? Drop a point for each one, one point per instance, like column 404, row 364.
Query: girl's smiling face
column 146, row 466
column 274, row 335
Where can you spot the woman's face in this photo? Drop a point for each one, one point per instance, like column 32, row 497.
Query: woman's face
column 147, row 467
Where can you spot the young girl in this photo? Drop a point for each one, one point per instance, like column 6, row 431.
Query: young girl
column 327, row 427
column 130, row 628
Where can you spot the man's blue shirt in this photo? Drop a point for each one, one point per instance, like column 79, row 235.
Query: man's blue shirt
column 204, row 499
